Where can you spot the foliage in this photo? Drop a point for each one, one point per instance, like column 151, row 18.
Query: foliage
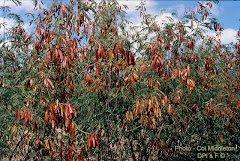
column 79, row 89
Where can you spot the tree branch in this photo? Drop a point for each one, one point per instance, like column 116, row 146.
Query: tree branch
column 134, row 128
column 84, row 132
column 19, row 140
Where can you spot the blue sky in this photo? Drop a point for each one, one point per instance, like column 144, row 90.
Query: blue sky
column 227, row 13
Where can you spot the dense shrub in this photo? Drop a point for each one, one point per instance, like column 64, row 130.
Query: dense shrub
column 78, row 88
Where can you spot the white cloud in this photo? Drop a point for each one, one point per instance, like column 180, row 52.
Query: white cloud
column 166, row 18
column 134, row 15
column 25, row 7
column 179, row 9
column 9, row 23
column 7, row 43
column 131, row 6
column 215, row 10
column 228, row 36
column 27, row 26
column 153, row 9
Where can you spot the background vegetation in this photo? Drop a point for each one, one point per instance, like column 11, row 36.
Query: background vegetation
column 85, row 86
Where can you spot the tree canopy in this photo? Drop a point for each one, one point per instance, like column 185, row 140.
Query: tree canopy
column 85, row 86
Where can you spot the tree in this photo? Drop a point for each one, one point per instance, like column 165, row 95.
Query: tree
column 81, row 93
